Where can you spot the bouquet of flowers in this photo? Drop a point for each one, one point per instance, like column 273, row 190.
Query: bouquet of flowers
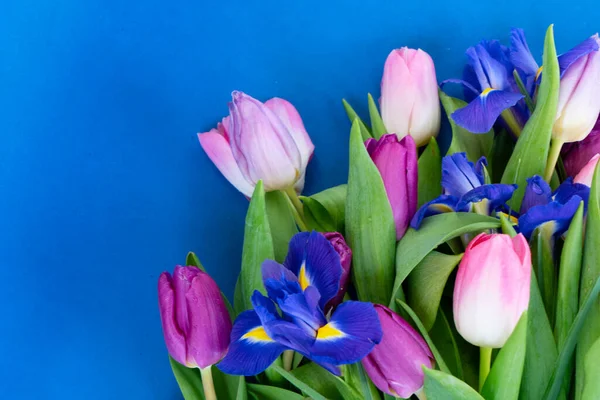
column 473, row 275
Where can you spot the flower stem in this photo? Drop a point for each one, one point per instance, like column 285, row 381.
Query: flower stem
column 421, row 394
column 555, row 148
column 288, row 359
column 485, row 361
column 297, row 208
column 207, row 383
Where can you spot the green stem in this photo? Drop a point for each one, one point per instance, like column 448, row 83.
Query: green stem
column 297, row 208
column 207, row 383
column 485, row 361
column 288, row 359
column 511, row 122
column 552, row 159
column 421, row 394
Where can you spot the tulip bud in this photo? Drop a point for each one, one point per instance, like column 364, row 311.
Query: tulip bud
column 259, row 141
column 410, row 102
column 396, row 161
column 340, row 246
column 396, row 364
column 579, row 102
column 492, row 288
column 195, row 321
column 576, row 155
column 586, row 175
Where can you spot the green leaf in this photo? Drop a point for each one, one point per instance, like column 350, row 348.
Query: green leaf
column 242, row 393
column 589, row 275
column 542, row 259
column 591, row 383
column 309, row 391
column 502, row 149
column 325, row 383
column 265, row 392
column 273, row 377
column 442, row 386
column 325, row 211
column 436, row 354
column 442, row 336
column 376, row 122
column 353, row 116
column 435, row 230
column 357, row 378
column 281, row 222
column 504, row 379
column 475, row 145
column 189, row 381
column 425, row 285
column 567, row 302
column 430, row 173
column 228, row 387
column 258, row 246
column 370, row 227
column 507, row 226
column 531, row 152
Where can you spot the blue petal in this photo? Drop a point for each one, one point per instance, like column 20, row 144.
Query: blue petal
column 303, row 309
column 567, row 59
column 350, row 335
column 495, row 195
column 470, row 91
column 442, row 204
column 316, row 263
column 251, row 350
column 568, row 189
column 537, row 193
column 480, row 115
column 522, row 59
column 556, row 215
column 278, row 280
column 490, row 63
column 470, row 78
column 459, row 175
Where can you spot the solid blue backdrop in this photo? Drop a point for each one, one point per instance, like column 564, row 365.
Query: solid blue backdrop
column 104, row 186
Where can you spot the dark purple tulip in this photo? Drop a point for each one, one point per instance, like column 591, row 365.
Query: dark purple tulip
column 576, row 155
column 339, row 244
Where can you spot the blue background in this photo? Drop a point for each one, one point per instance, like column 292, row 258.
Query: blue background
column 103, row 184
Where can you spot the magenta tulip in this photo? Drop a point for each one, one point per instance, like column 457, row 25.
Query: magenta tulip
column 259, row 141
column 576, row 155
column 340, row 246
column 410, row 103
column 195, row 321
column 492, row 288
column 586, row 175
column 396, row 161
column 396, row 364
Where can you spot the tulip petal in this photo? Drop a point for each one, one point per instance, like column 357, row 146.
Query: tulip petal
column 174, row 337
column 316, row 263
column 459, row 176
column 584, row 48
column 586, row 174
column 480, row 115
column 495, row 196
column 219, row 151
column 351, row 334
column 251, row 350
column 398, row 93
column 442, row 204
column 557, row 216
column 537, row 193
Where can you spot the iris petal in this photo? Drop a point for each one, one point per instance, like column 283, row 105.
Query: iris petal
column 442, row 204
column 537, row 193
column 303, row 311
column 567, row 59
column 568, row 189
column 522, row 59
column 251, row 350
column 459, row 175
column 555, row 213
column 480, row 115
column 496, row 195
column 278, row 280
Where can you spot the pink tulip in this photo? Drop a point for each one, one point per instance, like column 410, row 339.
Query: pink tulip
column 410, row 103
column 259, row 141
column 586, row 175
column 339, row 244
column 396, row 364
column 492, row 288
column 195, row 321
column 396, row 161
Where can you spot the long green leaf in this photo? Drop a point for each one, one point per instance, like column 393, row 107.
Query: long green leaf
column 353, row 116
column 265, row 392
column 442, row 386
column 504, row 379
column 242, row 392
column 591, row 384
column 443, row 338
column 228, row 387
column 531, row 152
column 319, row 379
column 430, row 173
column 435, row 230
column 258, row 246
column 475, row 145
column 376, row 122
column 299, row 384
column 370, row 227
column 281, row 222
column 357, row 378
column 325, row 210
column 189, row 381
column 425, row 285
column 542, row 259
column 589, row 275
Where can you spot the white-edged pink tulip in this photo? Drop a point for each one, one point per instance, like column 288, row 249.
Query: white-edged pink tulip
column 492, row 288
column 259, row 141
column 586, row 174
column 410, row 103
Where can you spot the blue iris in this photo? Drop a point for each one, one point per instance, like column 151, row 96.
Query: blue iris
column 464, row 190
column 292, row 317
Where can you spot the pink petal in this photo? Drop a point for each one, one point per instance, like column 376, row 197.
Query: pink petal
column 586, row 175
column 398, row 92
column 174, row 338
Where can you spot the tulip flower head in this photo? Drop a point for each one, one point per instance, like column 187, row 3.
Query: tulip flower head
column 259, row 141
column 410, row 103
column 195, row 321
column 301, row 288
column 586, row 175
column 492, row 288
column 577, row 154
column 339, row 245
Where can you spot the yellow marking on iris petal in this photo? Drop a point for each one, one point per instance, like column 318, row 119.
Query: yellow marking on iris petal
column 513, row 220
column 441, row 208
column 328, row 331
column 486, row 91
column 538, row 72
column 303, row 278
column 257, row 334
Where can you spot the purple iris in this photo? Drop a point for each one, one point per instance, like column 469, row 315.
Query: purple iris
column 554, row 211
column 301, row 288
column 465, row 190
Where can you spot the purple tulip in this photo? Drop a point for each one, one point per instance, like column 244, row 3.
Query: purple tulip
column 195, row 321
column 577, row 154
column 395, row 364
column 396, row 161
column 340, row 246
